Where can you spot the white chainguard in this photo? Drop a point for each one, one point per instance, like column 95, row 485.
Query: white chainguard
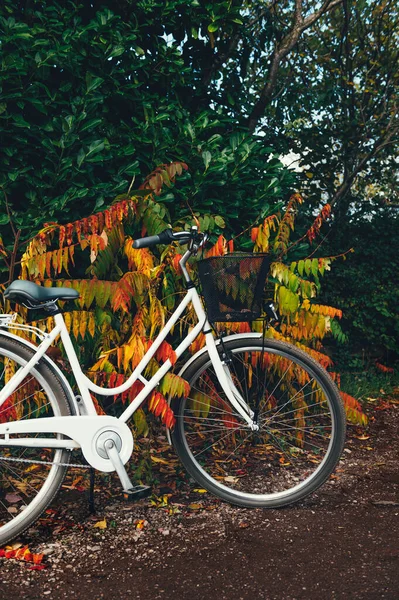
column 83, row 431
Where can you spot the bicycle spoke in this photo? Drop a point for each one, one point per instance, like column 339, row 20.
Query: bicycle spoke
column 217, row 442
column 295, row 426
column 27, row 482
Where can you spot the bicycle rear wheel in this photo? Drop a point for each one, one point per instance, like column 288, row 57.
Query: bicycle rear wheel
column 301, row 425
column 29, row 479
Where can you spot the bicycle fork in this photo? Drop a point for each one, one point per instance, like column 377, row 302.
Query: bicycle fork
column 222, row 370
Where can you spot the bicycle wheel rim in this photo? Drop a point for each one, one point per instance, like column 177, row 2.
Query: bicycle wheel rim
column 25, row 488
column 230, row 484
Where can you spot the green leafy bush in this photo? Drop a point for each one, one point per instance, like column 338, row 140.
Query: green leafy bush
column 92, row 98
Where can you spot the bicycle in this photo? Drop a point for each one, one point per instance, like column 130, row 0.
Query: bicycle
column 262, row 426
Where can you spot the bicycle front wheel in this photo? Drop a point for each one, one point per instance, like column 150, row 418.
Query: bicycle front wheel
column 300, row 417
column 29, row 477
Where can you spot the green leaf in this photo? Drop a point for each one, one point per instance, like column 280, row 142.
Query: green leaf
column 315, row 267
column 212, row 27
column 95, row 147
column 293, row 302
column 140, row 423
column 93, row 82
column 206, row 157
column 132, row 169
column 81, row 156
column 19, row 121
column 90, row 124
column 293, row 282
column 116, row 51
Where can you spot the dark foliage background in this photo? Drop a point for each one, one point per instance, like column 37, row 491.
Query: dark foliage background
column 94, row 95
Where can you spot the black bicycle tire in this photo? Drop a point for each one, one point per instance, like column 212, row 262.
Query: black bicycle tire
column 65, row 407
column 231, row 496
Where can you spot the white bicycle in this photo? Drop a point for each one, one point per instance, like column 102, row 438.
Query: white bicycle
column 263, row 425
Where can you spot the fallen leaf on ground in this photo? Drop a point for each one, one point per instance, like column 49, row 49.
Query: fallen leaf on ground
column 231, row 479
column 194, row 506
column 156, row 459
column 101, row 524
column 140, row 523
column 13, row 498
column 19, row 552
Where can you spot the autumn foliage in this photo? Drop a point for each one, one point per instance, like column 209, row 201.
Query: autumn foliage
column 20, row 552
column 125, row 295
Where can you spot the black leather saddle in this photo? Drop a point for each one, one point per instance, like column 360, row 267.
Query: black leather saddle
column 28, row 292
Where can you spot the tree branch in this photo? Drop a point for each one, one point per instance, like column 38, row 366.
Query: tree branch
column 222, row 57
column 9, row 214
column 13, row 257
column 282, row 49
column 378, row 146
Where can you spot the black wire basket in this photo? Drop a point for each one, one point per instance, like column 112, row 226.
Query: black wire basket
column 232, row 285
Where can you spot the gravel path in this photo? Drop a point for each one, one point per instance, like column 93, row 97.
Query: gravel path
column 341, row 543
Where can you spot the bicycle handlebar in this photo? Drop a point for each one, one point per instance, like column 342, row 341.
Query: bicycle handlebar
column 165, row 237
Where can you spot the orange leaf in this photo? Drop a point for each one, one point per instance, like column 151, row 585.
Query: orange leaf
column 23, row 553
column 383, row 368
column 158, row 405
column 165, row 352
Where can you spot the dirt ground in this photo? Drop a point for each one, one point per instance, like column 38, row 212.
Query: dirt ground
column 343, row 542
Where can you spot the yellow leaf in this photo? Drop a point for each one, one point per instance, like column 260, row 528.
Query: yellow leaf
column 76, row 324
column 92, row 324
column 101, row 524
column 83, row 325
column 156, row 459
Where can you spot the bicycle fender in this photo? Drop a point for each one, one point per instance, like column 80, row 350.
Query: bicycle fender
column 52, row 366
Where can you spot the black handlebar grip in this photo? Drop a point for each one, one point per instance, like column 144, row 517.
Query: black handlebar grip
column 165, row 237
column 146, row 242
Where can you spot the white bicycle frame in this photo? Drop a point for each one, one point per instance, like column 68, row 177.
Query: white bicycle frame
column 84, row 428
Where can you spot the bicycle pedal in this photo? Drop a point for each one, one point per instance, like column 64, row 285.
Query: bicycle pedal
column 138, row 492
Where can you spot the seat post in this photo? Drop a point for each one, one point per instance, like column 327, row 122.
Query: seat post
column 51, row 308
